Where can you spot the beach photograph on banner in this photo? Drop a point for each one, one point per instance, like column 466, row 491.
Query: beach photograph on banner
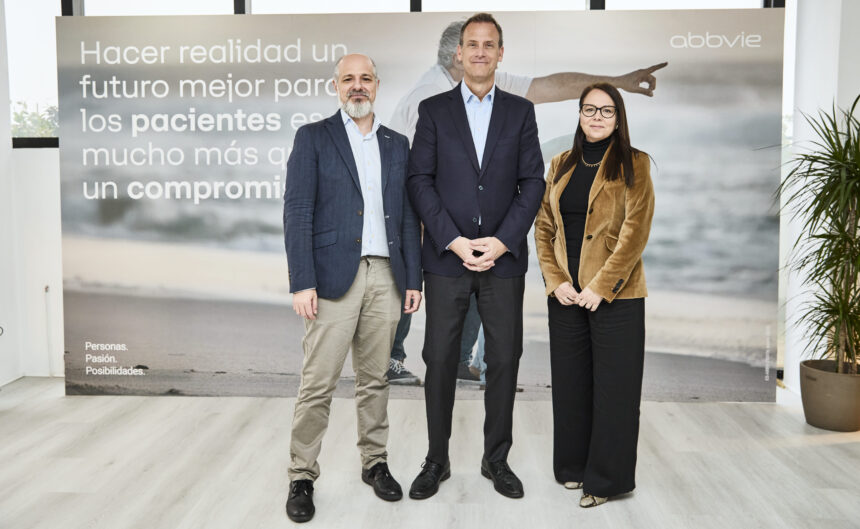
column 176, row 132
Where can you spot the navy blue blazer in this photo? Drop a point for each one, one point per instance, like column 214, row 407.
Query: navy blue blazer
column 323, row 209
column 451, row 192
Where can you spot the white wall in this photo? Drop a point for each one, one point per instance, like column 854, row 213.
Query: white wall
column 826, row 70
column 849, row 56
column 32, row 343
column 10, row 340
column 36, row 177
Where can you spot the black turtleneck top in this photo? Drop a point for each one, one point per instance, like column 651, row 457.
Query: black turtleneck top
column 573, row 203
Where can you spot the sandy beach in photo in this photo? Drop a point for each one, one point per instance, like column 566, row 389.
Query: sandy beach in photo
column 683, row 323
column 219, row 347
column 207, row 321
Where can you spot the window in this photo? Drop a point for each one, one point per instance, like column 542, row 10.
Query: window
column 326, row 6
column 157, row 7
column 32, row 51
column 683, row 4
column 474, row 6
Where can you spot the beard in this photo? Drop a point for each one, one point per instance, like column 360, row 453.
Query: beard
column 357, row 110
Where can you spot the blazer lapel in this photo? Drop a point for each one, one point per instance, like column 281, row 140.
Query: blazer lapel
column 497, row 123
column 335, row 128
column 384, row 140
column 461, row 123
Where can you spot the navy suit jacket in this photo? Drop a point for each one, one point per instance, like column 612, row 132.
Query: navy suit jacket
column 323, row 209
column 451, row 192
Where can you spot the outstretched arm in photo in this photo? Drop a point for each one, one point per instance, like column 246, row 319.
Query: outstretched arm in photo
column 569, row 85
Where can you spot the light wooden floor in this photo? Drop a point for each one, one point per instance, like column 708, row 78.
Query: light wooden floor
column 211, row 462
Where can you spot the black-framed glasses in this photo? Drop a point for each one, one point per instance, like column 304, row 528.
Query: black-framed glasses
column 589, row 110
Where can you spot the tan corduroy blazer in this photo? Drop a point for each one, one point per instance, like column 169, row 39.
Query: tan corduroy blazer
column 616, row 230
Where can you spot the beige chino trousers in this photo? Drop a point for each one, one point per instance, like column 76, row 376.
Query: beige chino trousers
column 365, row 318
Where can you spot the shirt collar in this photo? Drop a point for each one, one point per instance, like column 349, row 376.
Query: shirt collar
column 346, row 119
column 467, row 94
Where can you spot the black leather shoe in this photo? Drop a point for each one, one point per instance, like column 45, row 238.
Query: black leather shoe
column 384, row 485
column 505, row 481
column 427, row 482
column 300, row 503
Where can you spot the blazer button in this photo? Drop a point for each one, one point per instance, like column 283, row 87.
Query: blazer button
column 358, row 240
column 359, row 213
column 480, row 188
column 474, row 219
column 588, row 237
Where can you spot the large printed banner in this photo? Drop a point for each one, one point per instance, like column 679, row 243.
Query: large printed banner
column 176, row 131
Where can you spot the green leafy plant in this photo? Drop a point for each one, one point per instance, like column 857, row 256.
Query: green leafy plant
column 28, row 123
column 823, row 192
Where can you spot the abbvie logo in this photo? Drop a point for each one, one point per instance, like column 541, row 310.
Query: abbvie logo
column 714, row 40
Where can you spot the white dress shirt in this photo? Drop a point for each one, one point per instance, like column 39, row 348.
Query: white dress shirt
column 365, row 151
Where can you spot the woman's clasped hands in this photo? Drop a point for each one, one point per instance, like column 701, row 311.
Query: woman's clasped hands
column 567, row 295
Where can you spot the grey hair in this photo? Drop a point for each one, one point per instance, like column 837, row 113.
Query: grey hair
column 448, row 43
column 337, row 67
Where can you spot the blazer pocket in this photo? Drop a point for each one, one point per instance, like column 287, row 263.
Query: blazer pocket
column 611, row 242
column 326, row 238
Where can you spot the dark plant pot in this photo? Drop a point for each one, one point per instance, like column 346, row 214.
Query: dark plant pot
column 831, row 400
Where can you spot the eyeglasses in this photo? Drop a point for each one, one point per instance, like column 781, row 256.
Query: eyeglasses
column 589, row 110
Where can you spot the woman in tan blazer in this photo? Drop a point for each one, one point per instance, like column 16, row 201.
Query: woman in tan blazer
column 590, row 232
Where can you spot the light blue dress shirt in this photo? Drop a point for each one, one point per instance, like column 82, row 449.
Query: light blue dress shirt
column 478, row 112
column 365, row 151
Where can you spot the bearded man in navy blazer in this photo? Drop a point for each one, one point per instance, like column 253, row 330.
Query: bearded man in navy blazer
column 476, row 181
column 353, row 246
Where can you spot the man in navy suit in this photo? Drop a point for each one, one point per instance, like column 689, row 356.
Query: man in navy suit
column 476, row 181
column 353, row 246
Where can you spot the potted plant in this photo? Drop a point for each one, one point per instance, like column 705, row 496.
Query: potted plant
column 822, row 190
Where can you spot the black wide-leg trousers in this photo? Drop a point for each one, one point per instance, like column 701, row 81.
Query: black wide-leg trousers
column 596, row 360
column 500, row 305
